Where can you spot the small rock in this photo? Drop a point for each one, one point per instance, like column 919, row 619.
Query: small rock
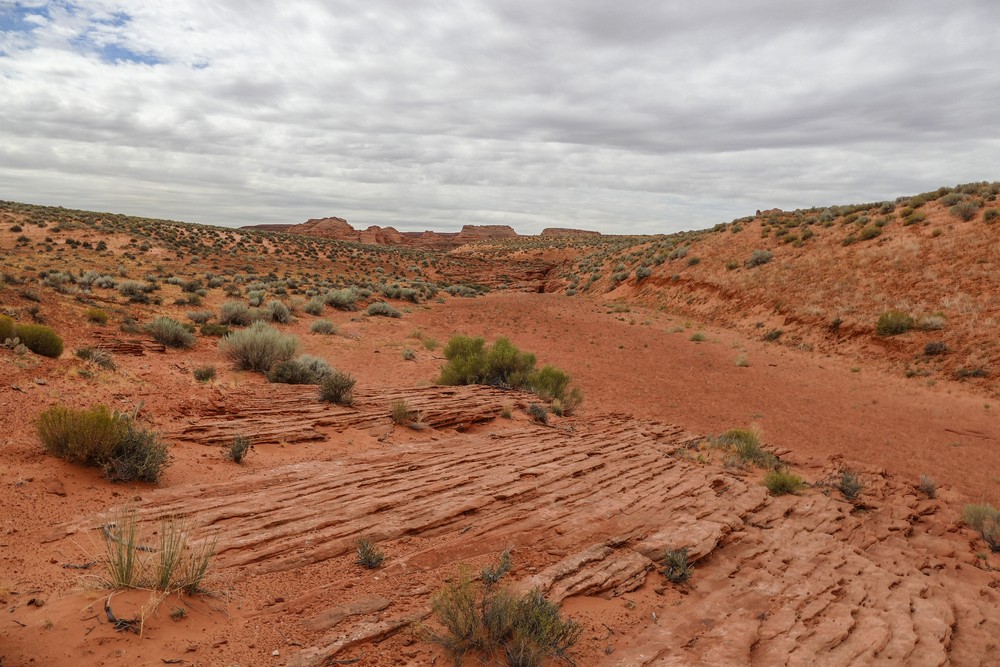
column 275, row 653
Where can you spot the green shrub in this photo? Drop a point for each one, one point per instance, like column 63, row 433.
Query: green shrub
column 698, row 337
column 204, row 373
column 549, row 383
column 95, row 356
column 304, row 369
column 758, row 257
column 99, row 437
column 324, row 327
column 965, row 210
column 340, row 299
column 382, row 309
column 368, row 554
column 337, row 388
column 238, row 449
column 314, row 306
column 6, row 328
column 849, row 484
column 470, row 361
column 893, row 323
column 409, row 355
column 170, row 332
column 96, row 315
column 39, row 339
column 869, row 232
column 279, row 312
column 747, row 446
column 990, row 215
column 675, row 565
column 260, row 347
column 780, row 482
column 235, row 313
column 401, row 412
column 200, row 316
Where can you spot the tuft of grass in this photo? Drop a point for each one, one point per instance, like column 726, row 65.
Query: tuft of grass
column 893, row 323
column 492, row 574
column 780, row 482
column 123, row 563
column 935, row 348
column 382, row 309
column 96, row 356
column 984, row 518
column 401, row 412
column 170, row 332
column 40, row 339
column 409, row 355
column 676, row 567
column 849, row 484
column 758, row 258
column 238, row 449
column 742, row 360
column 259, row 347
column 698, row 337
column 538, row 412
column 927, row 486
column 204, row 373
column 369, row 555
column 747, row 446
column 507, row 411
column 337, row 388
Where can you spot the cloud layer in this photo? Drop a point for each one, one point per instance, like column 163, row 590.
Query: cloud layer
column 646, row 116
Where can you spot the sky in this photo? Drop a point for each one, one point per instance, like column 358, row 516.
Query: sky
column 632, row 116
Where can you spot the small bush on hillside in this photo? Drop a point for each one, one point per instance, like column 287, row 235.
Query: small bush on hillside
column 96, row 315
column 984, row 518
column 217, row 330
column 98, row 357
column 780, row 482
column 337, row 388
column 314, row 306
column 382, row 309
column 170, row 332
column 260, row 347
column 368, row 554
column 234, row 313
column 676, row 568
column 304, row 369
column 99, row 437
column 893, row 323
column 869, row 232
column 401, row 412
column 39, row 339
column 849, row 484
column 204, row 373
column 965, row 210
column 238, row 449
column 200, row 316
column 927, row 486
column 279, row 312
column 990, row 215
column 758, row 257
column 935, row 347
column 324, row 327
column 340, row 299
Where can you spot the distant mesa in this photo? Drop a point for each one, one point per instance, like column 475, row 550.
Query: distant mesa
column 341, row 230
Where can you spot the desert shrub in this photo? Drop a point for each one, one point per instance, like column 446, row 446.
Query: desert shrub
column 217, row 330
column 39, row 339
column 255, row 298
column 325, row 327
column 409, row 355
column 935, row 347
column 984, row 518
column 170, row 332
column 549, row 382
column 676, row 567
column 747, row 446
column 368, row 554
column 6, row 328
column 692, row 261
column 259, row 347
column 139, row 456
column 382, row 309
column 965, row 210
column 849, row 484
column 235, row 313
column 314, row 306
column 698, row 337
column 470, row 361
column 758, row 257
column 773, row 335
column 869, row 232
column 81, row 436
column 893, row 323
column 238, row 449
column 279, row 312
column 402, row 413
column 204, row 373
column 927, row 486
column 642, row 273
column 538, row 412
column 304, row 369
column 964, row 373
column 99, row 437
column 200, row 316
column 990, row 215
column 95, row 356
column 522, row 630
column 340, row 299
column 780, row 482
column 337, row 388
column 96, row 315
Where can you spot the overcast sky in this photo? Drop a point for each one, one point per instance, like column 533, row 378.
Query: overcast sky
column 626, row 116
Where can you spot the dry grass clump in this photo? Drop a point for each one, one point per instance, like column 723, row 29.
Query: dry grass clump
column 746, row 444
column 337, row 388
column 984, row 518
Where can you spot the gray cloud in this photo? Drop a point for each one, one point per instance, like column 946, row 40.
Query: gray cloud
column 624, row 117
